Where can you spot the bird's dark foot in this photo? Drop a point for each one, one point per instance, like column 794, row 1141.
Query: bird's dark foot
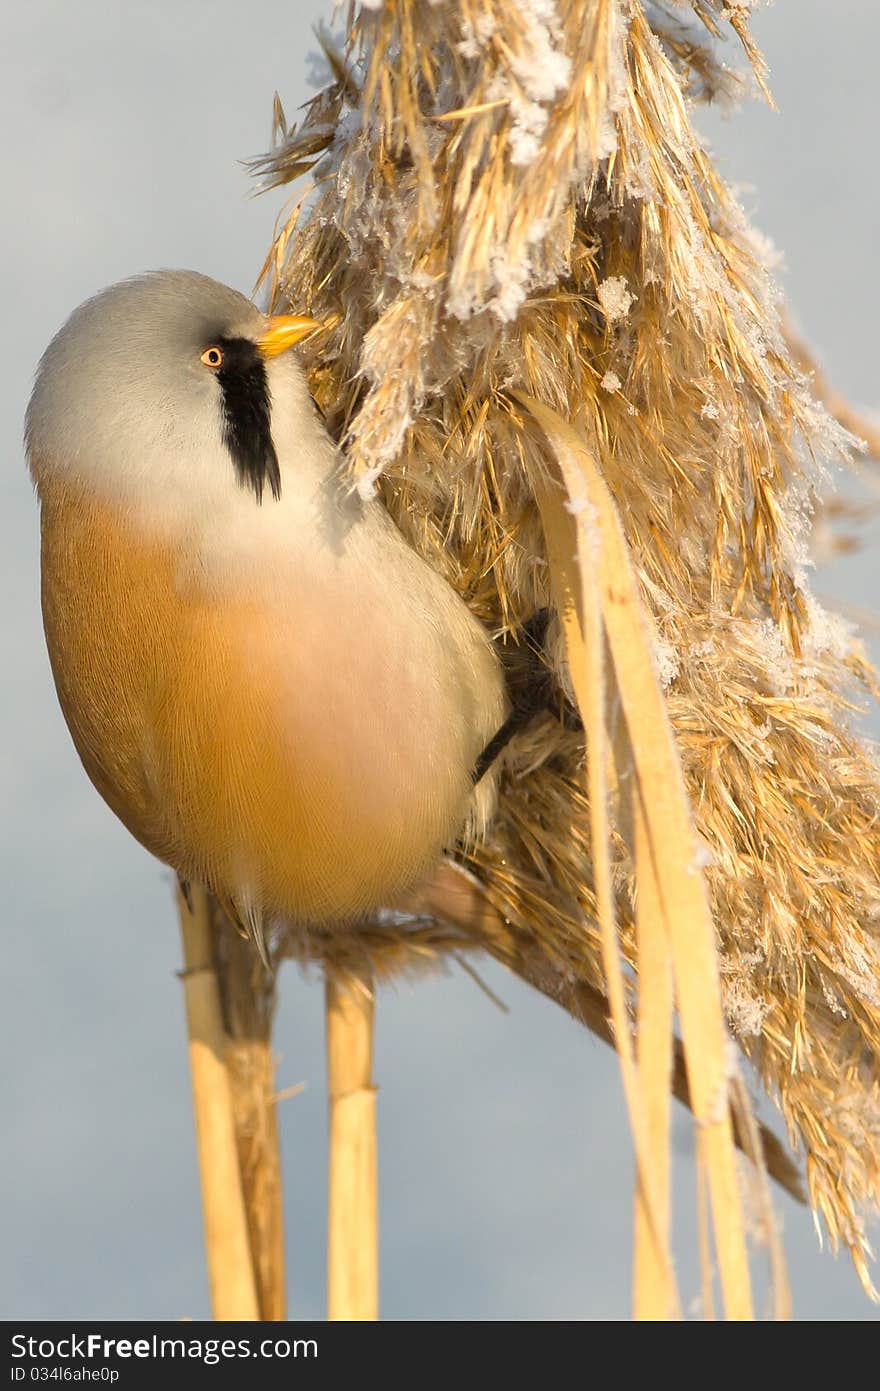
column 531, row 688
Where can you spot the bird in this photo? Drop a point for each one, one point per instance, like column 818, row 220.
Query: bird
column 270, row 688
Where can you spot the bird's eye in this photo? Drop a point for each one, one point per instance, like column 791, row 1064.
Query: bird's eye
column 212, row 357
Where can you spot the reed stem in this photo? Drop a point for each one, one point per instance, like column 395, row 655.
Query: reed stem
column 352, row 1206
column 227, row 1247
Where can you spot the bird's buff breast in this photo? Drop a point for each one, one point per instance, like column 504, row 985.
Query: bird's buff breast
column 242, row 742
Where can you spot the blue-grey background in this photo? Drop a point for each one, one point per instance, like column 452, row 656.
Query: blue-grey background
column 505, row 1160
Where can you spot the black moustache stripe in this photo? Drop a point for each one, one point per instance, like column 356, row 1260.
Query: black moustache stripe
column 247, row 416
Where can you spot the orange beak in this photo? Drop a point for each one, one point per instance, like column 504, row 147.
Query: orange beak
column 283, row 331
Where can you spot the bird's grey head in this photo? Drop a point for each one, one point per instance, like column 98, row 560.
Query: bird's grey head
column 165, row 385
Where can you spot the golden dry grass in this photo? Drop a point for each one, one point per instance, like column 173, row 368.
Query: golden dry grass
column 508, row 197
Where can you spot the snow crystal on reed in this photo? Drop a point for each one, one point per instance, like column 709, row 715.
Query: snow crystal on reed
column 535, row 76
column 476, row 33
column 615, row 298
column 546, row 68
column 745, row 1010
column 666, row 660
column 512, row 280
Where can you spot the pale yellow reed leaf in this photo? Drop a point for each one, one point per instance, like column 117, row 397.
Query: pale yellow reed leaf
column 681, row 892
column 704, row 1234
column 765, row 1216
column 655, row 1051
column 577, row 598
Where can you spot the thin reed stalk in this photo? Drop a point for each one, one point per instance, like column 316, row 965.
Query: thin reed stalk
column 230, row 1266
column 352, row 1198
column 247, row 994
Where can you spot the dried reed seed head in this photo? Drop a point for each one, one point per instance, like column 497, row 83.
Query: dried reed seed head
column 512, row 193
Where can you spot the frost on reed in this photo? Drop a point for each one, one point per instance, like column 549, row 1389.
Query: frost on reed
column 507, row 197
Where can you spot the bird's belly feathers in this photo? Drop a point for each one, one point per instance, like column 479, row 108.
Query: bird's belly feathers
column 298, row 756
